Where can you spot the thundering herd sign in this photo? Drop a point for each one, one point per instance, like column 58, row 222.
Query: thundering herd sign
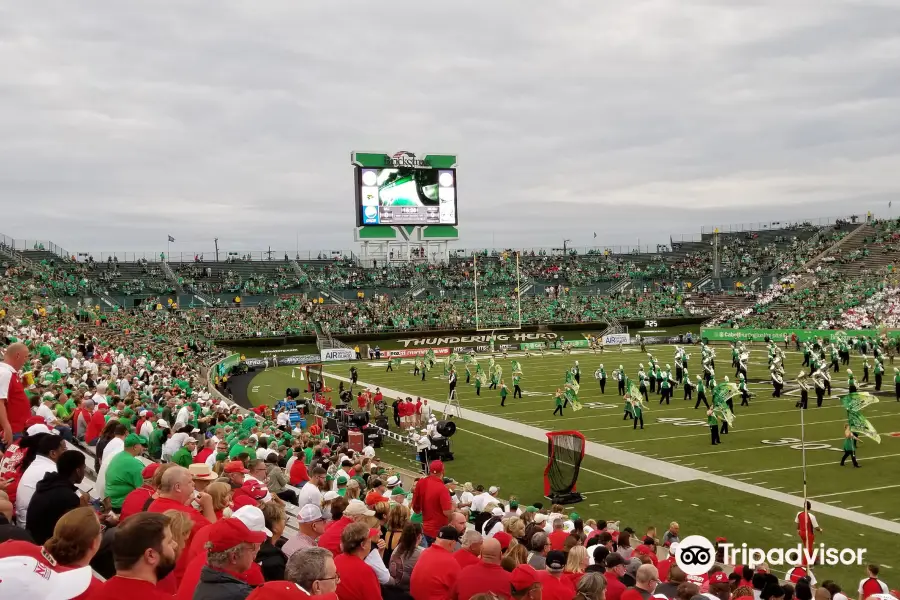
column 479, row 339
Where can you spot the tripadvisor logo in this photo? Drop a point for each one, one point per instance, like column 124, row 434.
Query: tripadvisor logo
column 696, row 554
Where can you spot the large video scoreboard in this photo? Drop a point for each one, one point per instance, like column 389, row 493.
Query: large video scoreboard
column 401, row 189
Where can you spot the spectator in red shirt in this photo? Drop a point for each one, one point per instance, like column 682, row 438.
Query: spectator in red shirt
column 558, row 537
column 98, row 422
column 144, row 551
column 377, row 494
column 554, row 586
column 15, row 407
column 299, row 475
column 313, row 569
column 355, row 512
column 74, row 543
column 525, row 583
column 646, row 580
column 484, row 576
column 470, row 550
column 436, row 570
column 204, row 452
column 431, row 499
column 615, row 568
column 140, row 499
column 176, row 491
column 356, row 580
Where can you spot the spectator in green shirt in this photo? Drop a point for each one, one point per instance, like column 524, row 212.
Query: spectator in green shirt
column 184, row 456
column 124, row 472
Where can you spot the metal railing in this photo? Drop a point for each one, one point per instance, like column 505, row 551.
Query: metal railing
column 767, row 225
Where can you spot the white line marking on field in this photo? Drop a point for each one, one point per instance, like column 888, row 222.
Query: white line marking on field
column 678, row 500
column 874, row 489
column 692, row 504
column 767, row 528
column 748, row 522
column 711, row 510
column 640, row 498
column 616, row 501
column 663, row 495
column 854, row 507
column 877, row 512
column 833, row 501
column 762, row 483
column 728, row 517
column 788, row 535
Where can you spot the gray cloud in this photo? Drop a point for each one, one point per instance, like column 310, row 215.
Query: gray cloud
column 123, row 122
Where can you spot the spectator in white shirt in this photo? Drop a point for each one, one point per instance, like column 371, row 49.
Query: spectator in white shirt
column 42, row 451
column 311, row 493
column 61, row 364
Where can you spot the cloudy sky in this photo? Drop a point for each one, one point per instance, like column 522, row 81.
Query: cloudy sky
column 124, row 121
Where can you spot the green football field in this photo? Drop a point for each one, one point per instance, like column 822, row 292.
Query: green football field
column 763, row 448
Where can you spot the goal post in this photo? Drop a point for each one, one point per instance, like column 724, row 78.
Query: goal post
column 497, row 306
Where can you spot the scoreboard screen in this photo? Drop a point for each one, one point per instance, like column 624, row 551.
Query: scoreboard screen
column 406, row 195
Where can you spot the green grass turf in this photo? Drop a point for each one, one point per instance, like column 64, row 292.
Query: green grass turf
column 738, row 515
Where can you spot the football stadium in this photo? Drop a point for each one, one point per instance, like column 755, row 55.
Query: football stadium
column 401, row 406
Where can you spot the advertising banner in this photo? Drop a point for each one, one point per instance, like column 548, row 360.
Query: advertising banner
column 478, row 339
column 334, row 354
column 616, row 339
column 284, row 361
column 573, row 344
column 803, row 335
column 229, row 362
column 532, row 345
column 413, row 352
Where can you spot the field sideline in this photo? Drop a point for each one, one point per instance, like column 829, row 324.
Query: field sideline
column 762, row 448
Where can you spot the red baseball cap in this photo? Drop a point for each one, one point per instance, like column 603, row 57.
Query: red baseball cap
column 721, row 540
column 228, row 533
column 150, row 470
column 718, row 577
column 35, row 420
column 523, row 577
column 235, row 466
column 504, row 538
column 255, row 490
column 244, row 500
column 436, row 467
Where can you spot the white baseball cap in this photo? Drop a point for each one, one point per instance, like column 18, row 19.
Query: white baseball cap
column 310, row 514
column 40, row 428
column 493, row 489
column 330, row 495
column 25, row 576
column 162, row 423
column 253, row 518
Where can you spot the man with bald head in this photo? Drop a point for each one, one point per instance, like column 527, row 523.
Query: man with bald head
column 14, row 405
column 485, row 576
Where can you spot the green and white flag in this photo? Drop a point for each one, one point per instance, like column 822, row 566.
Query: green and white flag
column 721, row 394
column 859, row 424
column 516, row 367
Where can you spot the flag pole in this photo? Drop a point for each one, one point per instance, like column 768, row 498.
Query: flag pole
column 805, row 501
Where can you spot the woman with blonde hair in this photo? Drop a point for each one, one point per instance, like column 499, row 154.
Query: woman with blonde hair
column 576, row 563
column 515, row 527
column 75, row 541
column 181, row 525
column 353, row 490
column 515, row 555
column 221, row 497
